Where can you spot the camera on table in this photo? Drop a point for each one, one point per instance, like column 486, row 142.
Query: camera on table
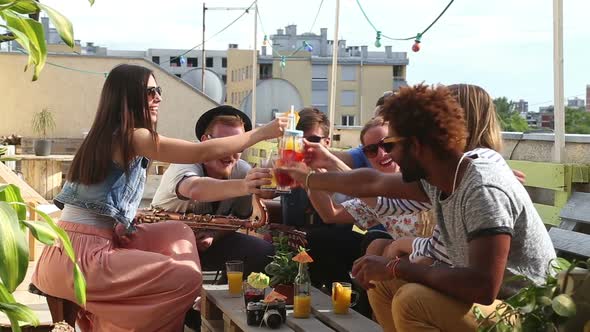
column 271, row 314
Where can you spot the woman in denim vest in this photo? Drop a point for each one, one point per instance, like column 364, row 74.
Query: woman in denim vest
column 144, row 277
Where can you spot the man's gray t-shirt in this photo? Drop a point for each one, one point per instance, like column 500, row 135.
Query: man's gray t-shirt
column 490, row 200
column 168, row 198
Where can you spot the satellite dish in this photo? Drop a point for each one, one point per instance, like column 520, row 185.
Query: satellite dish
column 272, row 95
column 214, row 87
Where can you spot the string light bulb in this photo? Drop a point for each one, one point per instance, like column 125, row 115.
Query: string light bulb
column 416, row 46
column 265, row 41
column 307, row 46
column 378, row 39
column 283, row 62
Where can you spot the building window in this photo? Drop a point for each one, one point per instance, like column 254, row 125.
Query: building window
column 348, row 73
column 174, row 61
column 319, row 72
column 156, row 59
column 223, row 62
column 398, row 72
column 247, row 72
column 348, row 120
column 224, row 78
column 265, row 71
column 192, row 62
column 233, row 75
column 347, row 98
column 209, row 63
column 321, row 108
column 319, row 97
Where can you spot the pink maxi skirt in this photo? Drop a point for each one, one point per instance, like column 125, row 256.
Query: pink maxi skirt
column 148, row 285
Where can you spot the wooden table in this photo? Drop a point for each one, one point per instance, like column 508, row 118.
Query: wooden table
column 220, row 312
column 43, row 173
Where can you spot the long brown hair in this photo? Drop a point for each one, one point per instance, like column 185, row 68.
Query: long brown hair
column 123, row 106
column 483, row 126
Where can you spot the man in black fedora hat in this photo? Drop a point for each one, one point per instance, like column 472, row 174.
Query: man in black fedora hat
column 220, row 187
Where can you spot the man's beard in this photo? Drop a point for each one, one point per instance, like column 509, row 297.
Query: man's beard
column 411, row 169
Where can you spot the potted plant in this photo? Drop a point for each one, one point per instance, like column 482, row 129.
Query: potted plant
column 562, row 303
column 43, row 123
column 282, row 268
column 14, row 254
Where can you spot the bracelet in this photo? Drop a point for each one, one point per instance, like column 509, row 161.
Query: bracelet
column 392, row 265
column 307, row 178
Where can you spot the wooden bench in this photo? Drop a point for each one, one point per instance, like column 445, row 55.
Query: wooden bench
column 574, row 216
column 568, row 212
column 220, row 312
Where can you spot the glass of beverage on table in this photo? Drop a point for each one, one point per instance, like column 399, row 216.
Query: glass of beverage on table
column 290, row 153
column 270, row 163
column 341, row 297
column 252, row 294
column 235, row 273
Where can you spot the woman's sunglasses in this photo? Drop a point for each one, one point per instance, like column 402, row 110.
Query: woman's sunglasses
column 315, row 138
column 386, row 144
column 151, row 91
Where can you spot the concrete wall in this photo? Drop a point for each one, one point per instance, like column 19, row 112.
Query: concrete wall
column 238, row 84
column 298, row 72
column 539, row 147
column 349, row 137
column 73, row 96
column 375, row 81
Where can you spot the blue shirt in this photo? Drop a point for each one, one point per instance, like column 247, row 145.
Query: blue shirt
column 358, row 158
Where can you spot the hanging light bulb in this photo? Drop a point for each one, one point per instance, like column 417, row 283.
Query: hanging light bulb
column 307, row 46
column 265, row 41
column 283, row 62
column 416, row 46
column 378, row 39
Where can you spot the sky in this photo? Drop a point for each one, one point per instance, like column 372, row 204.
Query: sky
column 504, row 46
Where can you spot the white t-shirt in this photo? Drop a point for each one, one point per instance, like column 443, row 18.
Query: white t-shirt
column 168, row 198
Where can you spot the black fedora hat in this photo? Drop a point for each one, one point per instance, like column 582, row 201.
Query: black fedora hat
column 211, row 114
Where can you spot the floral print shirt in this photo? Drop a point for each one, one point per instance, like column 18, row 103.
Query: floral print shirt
column 365, row 217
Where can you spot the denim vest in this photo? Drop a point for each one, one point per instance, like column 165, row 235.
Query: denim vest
column 118, row 196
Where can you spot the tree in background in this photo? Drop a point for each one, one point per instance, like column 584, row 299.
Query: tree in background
column 510, row 119
column 577, row 121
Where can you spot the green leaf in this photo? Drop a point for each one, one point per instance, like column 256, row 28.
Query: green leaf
column 564, row 305
column 559, row 264
column 4, row 5
column 11, row 193
column 5, row 295
column 61, row 23
column 21, row 6
column 34, row 32
column 91, row 2
column 20, row 312
column 41, row 231
column 26, row 7
column 79, row 285
column 79, row 281
column 14, row 251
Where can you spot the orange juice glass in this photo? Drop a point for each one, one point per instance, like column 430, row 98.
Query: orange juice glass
column 341, row 297
column 270, row 163
column 301, row 306
column 235, row 274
